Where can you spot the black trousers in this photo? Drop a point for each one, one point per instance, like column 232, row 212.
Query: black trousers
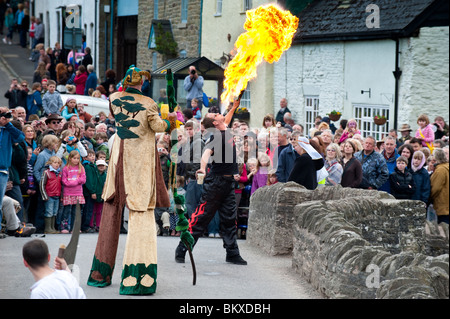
column 217, row 196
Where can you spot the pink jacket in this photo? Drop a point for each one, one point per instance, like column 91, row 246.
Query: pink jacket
column 428, row 133
column 73, row 180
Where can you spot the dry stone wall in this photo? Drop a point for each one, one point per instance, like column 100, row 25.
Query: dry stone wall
column 351, row 243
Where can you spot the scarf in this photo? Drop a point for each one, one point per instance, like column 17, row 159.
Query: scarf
column 52, row 169
column 414, row 168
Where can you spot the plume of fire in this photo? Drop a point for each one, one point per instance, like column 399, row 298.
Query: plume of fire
column 269, row 33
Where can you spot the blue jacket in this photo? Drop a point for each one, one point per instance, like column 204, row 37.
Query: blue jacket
column 286, row 162
column 8, row 136
column 91, row 82
column 39, row 166
column 391, row 164
column 423, row 185
column 375, row 170
column 34, row 103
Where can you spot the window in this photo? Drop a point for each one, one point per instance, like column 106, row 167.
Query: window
column 218, row 7
column 311, row 111
column 247, row 5
column 245, row 100
column 364, row 114
column 184, row 11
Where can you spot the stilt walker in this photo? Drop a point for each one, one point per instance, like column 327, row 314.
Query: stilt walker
column 134, row 179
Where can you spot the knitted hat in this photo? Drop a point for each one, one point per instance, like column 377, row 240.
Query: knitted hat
column 134, row 77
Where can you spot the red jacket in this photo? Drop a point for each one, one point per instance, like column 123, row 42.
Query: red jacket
column 50, row 184
column 80, row 81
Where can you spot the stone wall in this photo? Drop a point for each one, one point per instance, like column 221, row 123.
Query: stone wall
column 351, row 243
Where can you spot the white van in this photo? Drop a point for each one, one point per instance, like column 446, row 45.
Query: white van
column 92, row 105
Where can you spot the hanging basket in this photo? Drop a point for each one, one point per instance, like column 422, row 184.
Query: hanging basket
column 334, row 117
column 379, row 121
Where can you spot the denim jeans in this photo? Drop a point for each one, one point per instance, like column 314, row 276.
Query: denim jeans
column 52, row 207
column 3, row 182
column 193, row 194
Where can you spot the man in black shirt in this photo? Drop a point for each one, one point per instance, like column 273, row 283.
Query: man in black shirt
column 218, row 188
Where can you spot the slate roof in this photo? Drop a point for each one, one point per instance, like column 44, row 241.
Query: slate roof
column 340, row 20
column 180, row 68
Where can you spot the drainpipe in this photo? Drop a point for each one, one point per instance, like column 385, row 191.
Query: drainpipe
column 111, row 36
column 397, row 75
column 200, row 32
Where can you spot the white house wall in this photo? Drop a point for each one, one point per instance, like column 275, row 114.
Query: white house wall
column 336, row 72
column 425, row 78
column 87, row 19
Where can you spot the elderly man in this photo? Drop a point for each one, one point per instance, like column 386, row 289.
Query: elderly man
column 390, row 155
column 327, row 137
column 193, row 85
column 134, row 179
column 374, row 167
column 283, row 109
column 91, row 82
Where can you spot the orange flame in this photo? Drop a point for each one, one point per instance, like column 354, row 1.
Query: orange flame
column 269, row 33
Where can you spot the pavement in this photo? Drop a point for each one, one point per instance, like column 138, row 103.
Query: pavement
column 265, row 277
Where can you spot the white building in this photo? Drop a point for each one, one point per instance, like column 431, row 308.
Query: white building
column 53, row 14
column 342, row 60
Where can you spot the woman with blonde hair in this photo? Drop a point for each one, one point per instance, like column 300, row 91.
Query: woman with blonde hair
column 332, row 165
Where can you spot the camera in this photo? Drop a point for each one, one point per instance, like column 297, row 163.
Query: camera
column 7, row 115
column 97, row 118
column 193, row 72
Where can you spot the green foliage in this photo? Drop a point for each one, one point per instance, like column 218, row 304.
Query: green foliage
column 165, row 44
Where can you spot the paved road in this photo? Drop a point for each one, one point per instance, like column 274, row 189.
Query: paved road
column 14, row 63
column 265, row 277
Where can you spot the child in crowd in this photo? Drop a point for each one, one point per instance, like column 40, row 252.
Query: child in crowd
column 272, row 177
column 52, row 102
column 99, row 183
column 73, row 177
column 196, row 110
column 350, row 130
column 91, row 171
column 28, row 188
column 50, row 187
column 100, row 155
column 425, row 132
column 102, row 143
column 421, row 177
column 69, row 143
column 401, row 180
column 260, row 178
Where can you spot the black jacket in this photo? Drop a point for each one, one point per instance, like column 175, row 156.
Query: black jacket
column 402, row 184
column 305, row 170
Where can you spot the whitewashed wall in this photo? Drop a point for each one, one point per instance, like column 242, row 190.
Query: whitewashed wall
column 338, row 71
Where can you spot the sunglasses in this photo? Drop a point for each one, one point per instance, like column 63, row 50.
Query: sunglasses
column 55, row 122
column 331, row 151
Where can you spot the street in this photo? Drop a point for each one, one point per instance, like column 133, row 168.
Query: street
column 265, row 277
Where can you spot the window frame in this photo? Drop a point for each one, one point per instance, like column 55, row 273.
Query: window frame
column 364, row 114
column 312, row 109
